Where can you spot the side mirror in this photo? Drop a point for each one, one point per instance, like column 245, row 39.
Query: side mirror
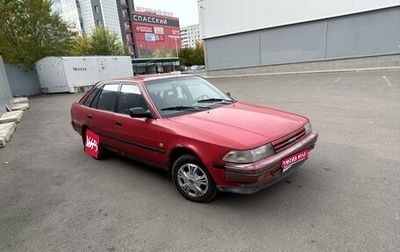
column 139, row 112
column 228, row 94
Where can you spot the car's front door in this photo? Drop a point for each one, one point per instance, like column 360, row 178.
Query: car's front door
column 136, row 136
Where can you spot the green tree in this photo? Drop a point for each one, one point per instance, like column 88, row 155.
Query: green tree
column 185, row 56
column 159, row 53
column 198, row 54
column 29, row 31
column 102, row 41
column 105, row 42
column 192, row 56
column 81, row 46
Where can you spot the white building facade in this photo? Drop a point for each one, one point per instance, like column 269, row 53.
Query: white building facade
column 190, row 35
column 258, row 33
column 85, row 15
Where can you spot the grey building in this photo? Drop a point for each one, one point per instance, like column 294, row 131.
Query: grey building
column 84, row 15
column 275, row 35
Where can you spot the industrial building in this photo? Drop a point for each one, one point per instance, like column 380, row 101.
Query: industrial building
column 299, row 35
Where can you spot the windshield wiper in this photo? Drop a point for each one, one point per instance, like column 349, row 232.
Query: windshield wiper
column 215, row 100
column 179, row 108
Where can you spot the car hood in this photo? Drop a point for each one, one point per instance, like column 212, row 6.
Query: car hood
column 238, row 125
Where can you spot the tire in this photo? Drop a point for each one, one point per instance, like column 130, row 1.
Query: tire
column 192, row 180
column 102, row 152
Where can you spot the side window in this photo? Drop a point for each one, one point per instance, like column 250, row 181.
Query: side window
column 90, row 98
column 130, row 97
column 96, row 99
column 106, row 100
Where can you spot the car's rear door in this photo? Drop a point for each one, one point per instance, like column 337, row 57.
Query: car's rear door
column 100, row 113
column 136, row 136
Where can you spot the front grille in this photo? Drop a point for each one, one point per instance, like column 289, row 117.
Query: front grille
column 288, row 140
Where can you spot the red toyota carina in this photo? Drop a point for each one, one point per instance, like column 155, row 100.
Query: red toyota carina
column 206, row 140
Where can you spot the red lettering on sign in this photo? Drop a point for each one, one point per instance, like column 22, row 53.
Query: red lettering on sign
column 289, row 161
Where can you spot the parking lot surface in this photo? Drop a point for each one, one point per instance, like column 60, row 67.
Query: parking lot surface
column 346, row 197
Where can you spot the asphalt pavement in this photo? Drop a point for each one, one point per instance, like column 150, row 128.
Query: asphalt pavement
column 346, row 197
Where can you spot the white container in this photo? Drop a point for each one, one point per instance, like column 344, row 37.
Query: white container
column 72, row 74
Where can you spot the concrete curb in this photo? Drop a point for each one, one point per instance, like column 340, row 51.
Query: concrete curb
column 9, row 120
column 18, row 100
column 6, row 131
column 20, row 106
column 13, row 116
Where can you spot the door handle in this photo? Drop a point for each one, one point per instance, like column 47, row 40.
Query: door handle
column 118, row 123
column 89, row 116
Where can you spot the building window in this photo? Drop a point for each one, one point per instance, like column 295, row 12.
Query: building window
column 98, row 22
column 96, row 9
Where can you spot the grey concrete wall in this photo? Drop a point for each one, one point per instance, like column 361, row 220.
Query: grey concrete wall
column 354, row 64
column 302, row 42
column 22, row 82
column 365, row 34
column 229, row 52
column 372, row 33
column 6, row 98
column 97, row 15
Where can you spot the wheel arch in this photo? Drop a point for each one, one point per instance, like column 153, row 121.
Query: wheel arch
column 192, row 192
column 177, row 152
column 83, row 132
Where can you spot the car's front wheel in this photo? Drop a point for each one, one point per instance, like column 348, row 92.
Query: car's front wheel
column 192, row 179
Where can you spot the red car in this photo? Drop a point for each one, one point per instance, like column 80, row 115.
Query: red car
column 206, row 140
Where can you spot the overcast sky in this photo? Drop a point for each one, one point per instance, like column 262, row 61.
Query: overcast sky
column 185, row 10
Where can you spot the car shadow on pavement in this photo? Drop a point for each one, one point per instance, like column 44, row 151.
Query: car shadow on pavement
column 288, row 190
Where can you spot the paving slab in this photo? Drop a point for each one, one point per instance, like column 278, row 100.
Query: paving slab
column 20, row 106
column 18, row 100
column 6, row 131
column 12, row 116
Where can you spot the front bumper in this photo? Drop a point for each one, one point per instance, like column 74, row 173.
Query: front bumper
column 251, row 178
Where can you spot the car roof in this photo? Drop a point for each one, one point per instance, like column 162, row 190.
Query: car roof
column 149, row 77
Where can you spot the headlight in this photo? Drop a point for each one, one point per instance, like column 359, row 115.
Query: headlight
column 248, row 156
column 308, row 128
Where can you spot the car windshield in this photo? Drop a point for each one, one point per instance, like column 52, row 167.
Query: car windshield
column 189, row 94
